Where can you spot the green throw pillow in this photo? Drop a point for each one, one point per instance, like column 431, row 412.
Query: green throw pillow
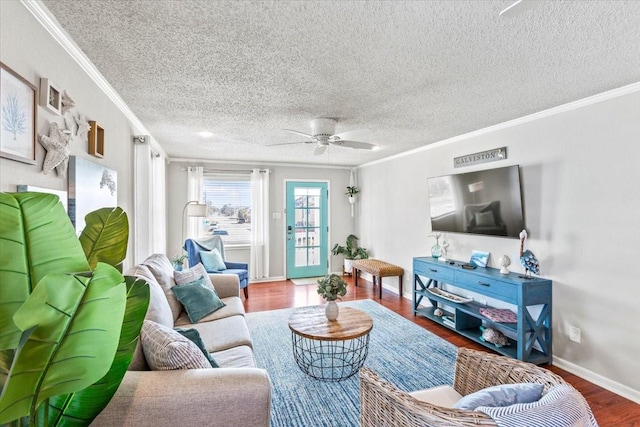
column 212, row 260
column 194, row 336
column 197, row 299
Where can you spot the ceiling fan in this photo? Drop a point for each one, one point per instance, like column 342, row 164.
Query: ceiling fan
column 323, row 134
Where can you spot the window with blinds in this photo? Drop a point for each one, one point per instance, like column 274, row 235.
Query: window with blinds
column 228, row 200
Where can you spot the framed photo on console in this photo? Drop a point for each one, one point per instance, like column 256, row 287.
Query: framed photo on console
column 479, row 259
column 17, row 117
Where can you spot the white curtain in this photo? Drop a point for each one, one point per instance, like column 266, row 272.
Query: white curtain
column 259, row 265
column 194, row 227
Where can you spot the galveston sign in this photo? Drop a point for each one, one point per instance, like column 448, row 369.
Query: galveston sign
column 482, row 157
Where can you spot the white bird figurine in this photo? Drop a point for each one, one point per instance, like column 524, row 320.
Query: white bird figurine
column 527, row 258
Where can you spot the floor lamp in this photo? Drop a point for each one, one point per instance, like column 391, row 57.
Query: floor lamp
column 193, row 209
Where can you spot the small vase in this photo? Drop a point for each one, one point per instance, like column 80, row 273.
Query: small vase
column 331, row 310
column 177, row 266
column 436, row 250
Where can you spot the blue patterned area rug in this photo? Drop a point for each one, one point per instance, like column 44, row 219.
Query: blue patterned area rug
column 400, row 351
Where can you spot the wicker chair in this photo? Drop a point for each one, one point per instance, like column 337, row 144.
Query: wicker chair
column 383, row 405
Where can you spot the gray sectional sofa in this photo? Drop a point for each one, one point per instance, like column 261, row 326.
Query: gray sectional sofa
column 235, row 394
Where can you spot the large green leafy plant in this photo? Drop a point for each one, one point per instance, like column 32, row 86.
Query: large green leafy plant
column 69, row 321
column 351, row 250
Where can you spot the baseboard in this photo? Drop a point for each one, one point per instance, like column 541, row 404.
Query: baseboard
column 597, row 379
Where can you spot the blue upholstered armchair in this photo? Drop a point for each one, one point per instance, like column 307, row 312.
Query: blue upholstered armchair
column 194, row 247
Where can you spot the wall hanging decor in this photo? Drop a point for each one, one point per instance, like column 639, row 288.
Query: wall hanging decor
column 67, row 102
column 91, row 187
column 96, row 139
column 17, row 117
column 50, row 96
column 60, row 193
column 482, row 157
column 57, row 146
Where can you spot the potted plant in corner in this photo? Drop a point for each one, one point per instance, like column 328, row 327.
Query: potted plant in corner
column 351, row 251
column 70, row 331
column 331, row 288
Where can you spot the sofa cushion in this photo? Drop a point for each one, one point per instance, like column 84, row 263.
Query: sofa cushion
column 501, row 395
column 212, row 260
column 165, row 349
column 159, row 310
column 198, row 299
column 444, row 395
column 233, row 307
column 162, row 270
column 562, row 405
column 236, row 357
column 224, row 333
column 194, row 336
column 194, row 273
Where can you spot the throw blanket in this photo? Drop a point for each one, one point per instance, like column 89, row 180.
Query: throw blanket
column 562, row 406
column 209, row 243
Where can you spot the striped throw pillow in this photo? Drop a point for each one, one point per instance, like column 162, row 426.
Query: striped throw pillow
column 166, row 349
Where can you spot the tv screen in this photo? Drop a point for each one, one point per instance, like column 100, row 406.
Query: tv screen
column 482, row 202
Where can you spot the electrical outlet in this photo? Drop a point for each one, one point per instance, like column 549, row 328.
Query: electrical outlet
column 575, row 334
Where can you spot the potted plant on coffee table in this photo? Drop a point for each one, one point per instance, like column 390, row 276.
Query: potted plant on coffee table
column 331, row 288
column 351, row 251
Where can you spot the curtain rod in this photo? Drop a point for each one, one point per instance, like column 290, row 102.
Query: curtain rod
column 231, row 170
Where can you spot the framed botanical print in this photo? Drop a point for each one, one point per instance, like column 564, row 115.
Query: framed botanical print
column 17, row 117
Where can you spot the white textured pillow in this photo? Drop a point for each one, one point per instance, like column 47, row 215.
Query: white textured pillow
column 192, row 274
column 166, row 349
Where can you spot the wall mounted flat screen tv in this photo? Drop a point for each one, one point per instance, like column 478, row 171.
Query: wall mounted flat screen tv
column 482, row 202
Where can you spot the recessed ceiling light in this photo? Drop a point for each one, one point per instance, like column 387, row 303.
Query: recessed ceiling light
column 205, row 134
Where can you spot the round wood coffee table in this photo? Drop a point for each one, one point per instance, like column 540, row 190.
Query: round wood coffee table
column 330, row 350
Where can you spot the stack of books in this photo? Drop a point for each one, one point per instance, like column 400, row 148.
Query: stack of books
column 449, row 321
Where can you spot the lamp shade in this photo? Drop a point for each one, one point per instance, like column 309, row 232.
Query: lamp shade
column 196, row 210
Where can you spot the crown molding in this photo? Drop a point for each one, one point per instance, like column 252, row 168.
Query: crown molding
column 574, row 105
column 256, row 164
column 53, row 27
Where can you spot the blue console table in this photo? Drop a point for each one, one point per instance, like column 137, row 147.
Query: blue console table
column 512, row 288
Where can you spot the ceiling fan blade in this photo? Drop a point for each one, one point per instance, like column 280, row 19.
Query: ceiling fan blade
column 353, row 134
column 298, row 132
column 518, row 7
column 355, row 144
column 290, row 143
column 320, row 149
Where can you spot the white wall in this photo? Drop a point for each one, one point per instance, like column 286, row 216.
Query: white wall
column 340, row 222
column 29, row 50
column 580, row 177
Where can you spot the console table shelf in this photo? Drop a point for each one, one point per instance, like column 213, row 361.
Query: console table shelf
column 532, row 336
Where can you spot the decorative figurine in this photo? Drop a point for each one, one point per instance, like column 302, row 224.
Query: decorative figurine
column 67, row 102
column 57, row 146
column 494, row 337
column 438, row 312
column 504, row 262
column 527, row 258
column 445, row 246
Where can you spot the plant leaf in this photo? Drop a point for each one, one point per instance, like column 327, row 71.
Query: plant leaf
column 80, row 408
column 37, row 238
column 105, row 235
column 75, row 325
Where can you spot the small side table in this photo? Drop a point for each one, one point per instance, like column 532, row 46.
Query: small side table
column 330, row 351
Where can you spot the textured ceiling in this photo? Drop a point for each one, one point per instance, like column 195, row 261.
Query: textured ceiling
column 413, row 73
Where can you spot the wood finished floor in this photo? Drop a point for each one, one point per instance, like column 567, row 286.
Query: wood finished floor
column 609, row 408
